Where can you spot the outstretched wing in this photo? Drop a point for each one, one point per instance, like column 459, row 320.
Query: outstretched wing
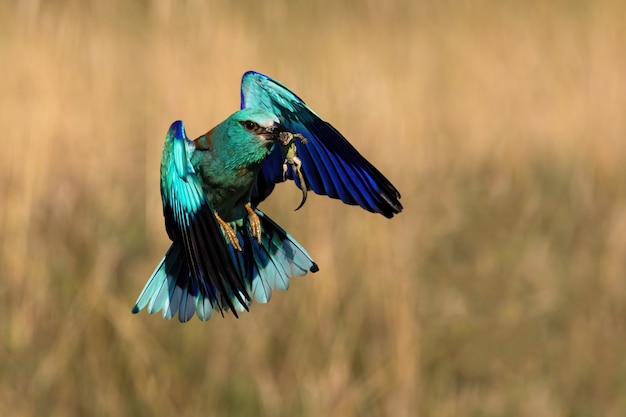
column 210, row 276
column 331, row 165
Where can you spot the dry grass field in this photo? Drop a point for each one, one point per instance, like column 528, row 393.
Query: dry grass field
column 499, row 291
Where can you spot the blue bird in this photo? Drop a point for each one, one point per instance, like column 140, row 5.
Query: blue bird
column 225, row 252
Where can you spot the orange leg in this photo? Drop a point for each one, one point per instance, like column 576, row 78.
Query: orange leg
column 230, row 233
column 255, row 223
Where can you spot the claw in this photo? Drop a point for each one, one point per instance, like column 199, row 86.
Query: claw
column 255, row 223
column 230, row 233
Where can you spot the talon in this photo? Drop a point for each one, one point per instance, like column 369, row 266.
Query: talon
column 255, row 223
column 229, row 232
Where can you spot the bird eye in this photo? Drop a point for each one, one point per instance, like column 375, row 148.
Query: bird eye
column 250, row 125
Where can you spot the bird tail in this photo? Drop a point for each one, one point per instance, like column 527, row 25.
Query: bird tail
column 264, row 266
column 268, row 264
column 171, row 289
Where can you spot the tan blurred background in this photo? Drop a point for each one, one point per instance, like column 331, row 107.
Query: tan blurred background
column 499, row 291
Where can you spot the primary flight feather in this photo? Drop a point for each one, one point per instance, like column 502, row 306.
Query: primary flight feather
column 225, row 252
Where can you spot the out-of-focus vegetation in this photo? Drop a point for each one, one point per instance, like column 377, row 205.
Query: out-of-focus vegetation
column 499, row 291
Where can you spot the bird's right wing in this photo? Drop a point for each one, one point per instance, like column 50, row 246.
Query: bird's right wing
column 210, row 275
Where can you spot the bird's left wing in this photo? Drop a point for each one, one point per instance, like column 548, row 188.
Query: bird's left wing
column 190, row 223
column 331, row 165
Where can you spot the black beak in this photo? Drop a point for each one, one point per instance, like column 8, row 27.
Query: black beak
column 273, row 132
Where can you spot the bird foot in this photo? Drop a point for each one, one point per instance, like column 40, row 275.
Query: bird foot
column 229, row 232
column 255, row 223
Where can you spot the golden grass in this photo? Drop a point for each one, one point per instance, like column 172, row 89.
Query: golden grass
column 499, row 291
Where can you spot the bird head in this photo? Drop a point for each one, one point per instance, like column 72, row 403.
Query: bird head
column 248, row 128
column 244, row 138
column 259, row 123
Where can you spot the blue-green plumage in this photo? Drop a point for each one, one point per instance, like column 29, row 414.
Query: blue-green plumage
column 225, row 252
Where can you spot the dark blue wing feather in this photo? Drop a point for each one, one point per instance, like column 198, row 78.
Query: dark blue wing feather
column 331, row 165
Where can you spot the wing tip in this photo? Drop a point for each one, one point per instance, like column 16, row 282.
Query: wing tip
column 252, row 73
column 177, row 130
column 396, row 207
column 393, row 209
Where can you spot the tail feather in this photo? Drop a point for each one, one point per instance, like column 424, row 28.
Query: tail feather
column 264, row 266
column 172, row 290
column 277, row 258
column 203, row 308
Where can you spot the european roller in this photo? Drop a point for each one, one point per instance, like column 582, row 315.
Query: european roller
column 225, row 252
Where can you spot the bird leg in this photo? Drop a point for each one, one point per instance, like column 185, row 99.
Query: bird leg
column 289, row 150
column 229, row 232
column 255, row 223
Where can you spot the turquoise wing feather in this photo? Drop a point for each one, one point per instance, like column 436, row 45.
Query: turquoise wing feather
column 197, row 273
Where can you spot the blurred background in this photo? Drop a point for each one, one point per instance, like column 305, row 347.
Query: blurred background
column 499, row 291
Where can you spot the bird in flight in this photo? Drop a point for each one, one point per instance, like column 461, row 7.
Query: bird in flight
column 225, row 252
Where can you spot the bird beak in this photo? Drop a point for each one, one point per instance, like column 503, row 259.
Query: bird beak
column 272, row 133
